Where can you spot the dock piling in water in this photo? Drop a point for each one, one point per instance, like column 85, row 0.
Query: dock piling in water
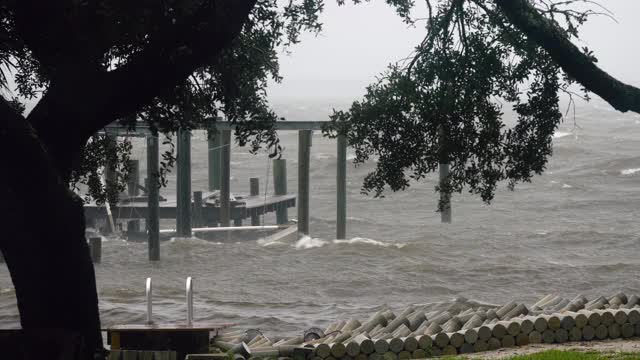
column 183, row 188
column 214, row 141
column 153, row 198
column 445, row 196
column 254, row 190
column 198, row 220
column 225, row 177
column 134, row 177
column 341, row 188
column 280, row 188
column 304, row 159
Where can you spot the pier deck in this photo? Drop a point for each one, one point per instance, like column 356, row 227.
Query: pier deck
column 242, row 208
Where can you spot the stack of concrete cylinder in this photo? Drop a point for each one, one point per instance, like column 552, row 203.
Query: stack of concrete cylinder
column 462, row 327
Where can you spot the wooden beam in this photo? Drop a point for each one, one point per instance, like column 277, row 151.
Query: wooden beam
column 143, row 130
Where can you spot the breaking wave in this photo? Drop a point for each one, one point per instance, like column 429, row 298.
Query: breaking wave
column 629, row 171
column 309, row 243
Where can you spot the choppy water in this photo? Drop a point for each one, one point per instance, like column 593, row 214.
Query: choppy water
column 572, row 230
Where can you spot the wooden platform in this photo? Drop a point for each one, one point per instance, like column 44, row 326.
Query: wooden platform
column 241, row 209
column 182, row 338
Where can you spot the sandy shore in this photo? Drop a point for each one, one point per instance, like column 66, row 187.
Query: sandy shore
column 618, row 345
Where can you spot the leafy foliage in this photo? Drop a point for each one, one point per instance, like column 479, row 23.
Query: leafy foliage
column 446, row 104
column 232, row 85
column 470, row 65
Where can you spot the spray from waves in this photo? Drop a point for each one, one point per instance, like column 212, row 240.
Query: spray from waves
column 629, row 171
column 359, row 240
column 190, row 242
column 265, row 242
column 561, row 134
column 307, row 242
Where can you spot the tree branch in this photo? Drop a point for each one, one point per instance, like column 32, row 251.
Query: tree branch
column 85, row 100
column 570, row 58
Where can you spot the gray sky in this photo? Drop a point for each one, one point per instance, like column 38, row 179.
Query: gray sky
column 358, row 42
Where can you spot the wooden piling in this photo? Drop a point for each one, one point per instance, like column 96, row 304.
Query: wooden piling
column 304, row 159
column 280, row 188
column 341, row 188
column 445, row 197
column 254, row 190
column 95, row 245
column 213, row 143
column 134, row 178
column 153, row 198
column 183, row 189
column 225, row 177
column 198, row 219
column 111, row 179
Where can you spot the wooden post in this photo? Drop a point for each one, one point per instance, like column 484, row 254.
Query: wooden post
column 133, row 178
column 133, row 226
column 95, row 245
column 183, row 220
column 214, row 143
column 254, row 190
column 445, row 197
column 111, row 179
column 153, row 198
column 198, row 220
column 304, row 158
column 341, row 188
column 280, row 188
column 225, row 177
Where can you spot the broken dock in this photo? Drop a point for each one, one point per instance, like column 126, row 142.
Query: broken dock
column 206, row 210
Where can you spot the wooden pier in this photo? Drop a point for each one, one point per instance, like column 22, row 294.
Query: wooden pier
column 190, row 208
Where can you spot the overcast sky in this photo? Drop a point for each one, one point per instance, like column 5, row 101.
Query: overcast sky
column 359, row 41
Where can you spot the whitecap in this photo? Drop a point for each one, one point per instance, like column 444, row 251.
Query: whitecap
column 265, row 242
column 629, row 171
column 322, row 156
column 359, row 240
column 307, row 242
column 566, row 186
column 560, row 134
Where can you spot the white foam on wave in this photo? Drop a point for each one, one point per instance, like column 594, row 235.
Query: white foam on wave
column 566, row 186
column 307, row 242
column 265, row 242
column 310, row 243
column 560, row 134
column 191, row 241
column 629, row 171
column 359, row 240
column 322, row 156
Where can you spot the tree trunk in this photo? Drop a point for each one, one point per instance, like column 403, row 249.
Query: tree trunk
column 44, row 245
